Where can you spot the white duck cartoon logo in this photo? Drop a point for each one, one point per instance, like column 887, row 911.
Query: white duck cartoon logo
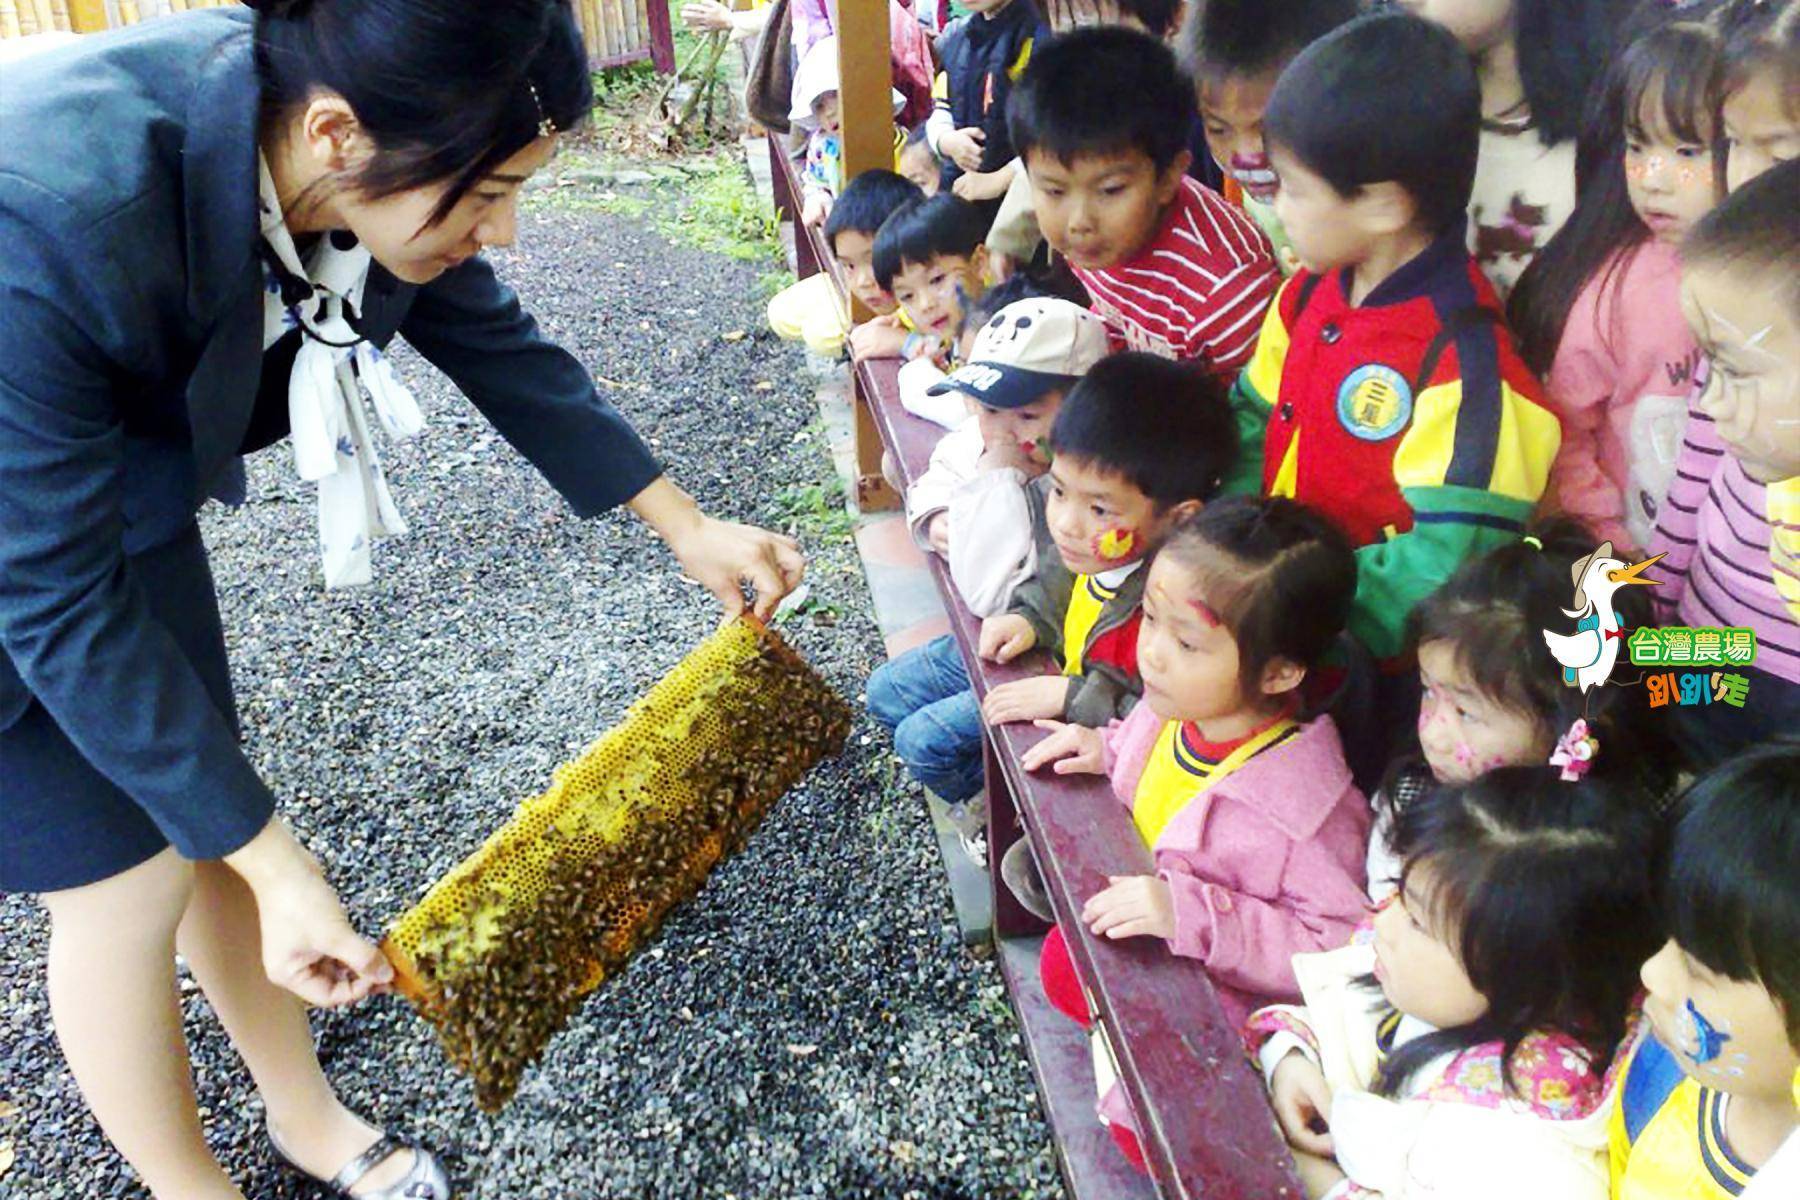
column 1587, row 656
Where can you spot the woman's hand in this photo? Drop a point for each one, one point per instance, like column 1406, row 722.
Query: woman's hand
column 976, row 186
column 703, row 16
column 1031, row 699
column 963, row 147
column 1302, row 1101
column 308, row 945
column 1075, row 749
column 1005, row 637
column 1131, row 906
column 722, row 555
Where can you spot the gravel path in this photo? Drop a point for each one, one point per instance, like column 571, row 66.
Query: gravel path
column 808, row 1026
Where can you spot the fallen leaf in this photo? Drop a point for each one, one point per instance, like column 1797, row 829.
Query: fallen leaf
column 763, row 385
column 735, row 335
column 6, row 1157
column 801, row 1051
column 8, row 1110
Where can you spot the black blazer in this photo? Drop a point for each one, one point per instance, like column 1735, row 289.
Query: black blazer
column 130, row 350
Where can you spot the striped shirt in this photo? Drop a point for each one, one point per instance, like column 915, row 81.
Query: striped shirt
column 1197, row 290
column 1716, row 528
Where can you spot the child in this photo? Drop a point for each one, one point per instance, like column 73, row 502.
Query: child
column 1462, row 1050
column 809, row 310
column 1235, row 50
column 1100, row 120
column 1731, row 524
column 1138, row 445
column 917, row 163
column 970, row 505
column 1599, row 310
column 1536, row 60
column 1255, row 828
column 1032, row 352
column 818, row 111
column 981, row 62
column 929, row 256
column 1385, row 392
column 1762, row 87
column 1708, row 1092
column 1014, row 238
column 1492, row 696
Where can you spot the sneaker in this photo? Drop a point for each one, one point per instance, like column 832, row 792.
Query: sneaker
column 975, row 846
column 1018, row 867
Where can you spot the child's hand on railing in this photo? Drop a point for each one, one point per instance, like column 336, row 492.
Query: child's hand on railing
column 1005, row 637
column 878, row 337
column 1131, row 906
column 937, row 533
column 1037, row 698
column 1072, row 749
column 963, row 147
column 1301, row 1097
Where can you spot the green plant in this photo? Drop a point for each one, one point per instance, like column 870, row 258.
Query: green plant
column 719, row 211
column 814, row 509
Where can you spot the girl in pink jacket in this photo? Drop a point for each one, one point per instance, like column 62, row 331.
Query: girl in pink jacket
column 1257, row 832
column 1599, row 311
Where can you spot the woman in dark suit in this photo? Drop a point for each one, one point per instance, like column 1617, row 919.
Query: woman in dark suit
column 211, row 223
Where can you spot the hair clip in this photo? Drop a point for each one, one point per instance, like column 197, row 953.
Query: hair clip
column 1532, row 541
column 546, row 126
column 1575, row 751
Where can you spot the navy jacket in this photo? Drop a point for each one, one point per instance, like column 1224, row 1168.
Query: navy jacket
column 130, row 350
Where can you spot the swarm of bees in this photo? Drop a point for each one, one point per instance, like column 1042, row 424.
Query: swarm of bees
column 501, row 950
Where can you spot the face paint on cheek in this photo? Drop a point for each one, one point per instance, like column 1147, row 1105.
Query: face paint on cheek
column 1696, row 1031
column 1465, row 756
column 1115, row 544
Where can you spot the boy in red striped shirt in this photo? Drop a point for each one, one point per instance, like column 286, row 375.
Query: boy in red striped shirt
column 1100, row 119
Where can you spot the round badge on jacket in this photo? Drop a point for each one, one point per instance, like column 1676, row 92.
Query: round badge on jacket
column 1374, row 402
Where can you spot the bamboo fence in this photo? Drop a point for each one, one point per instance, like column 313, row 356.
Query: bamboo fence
column 612, row 31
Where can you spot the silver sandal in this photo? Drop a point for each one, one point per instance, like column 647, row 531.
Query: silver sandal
column 426, row 1180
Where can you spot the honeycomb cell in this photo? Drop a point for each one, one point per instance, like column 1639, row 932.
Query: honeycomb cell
column 501, row 950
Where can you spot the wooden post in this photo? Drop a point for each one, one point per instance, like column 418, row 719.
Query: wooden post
column 9, row 20
column 87, row 16
column 865, row 91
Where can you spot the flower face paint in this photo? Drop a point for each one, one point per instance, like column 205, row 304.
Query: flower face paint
column 1463, row 731
column 1116, row 545
column 1670, row 182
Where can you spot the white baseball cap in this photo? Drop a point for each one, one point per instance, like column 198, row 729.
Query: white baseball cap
column 1026, row 349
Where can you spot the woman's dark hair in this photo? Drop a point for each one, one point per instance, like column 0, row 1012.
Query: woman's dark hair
column 1493, row 612
column 446, row 89
column 1250, row 37
column 1755, row 230
column 1672, row 69
column 1563, row 45
column 1164, row 427
column 1543, row 890
column 1344, row 112
column 921, row 230
column 1279, row 576
column 1730, row 893
column 1104, row 90
column 871, row 198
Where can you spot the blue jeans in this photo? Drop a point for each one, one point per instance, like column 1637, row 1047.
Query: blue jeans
column 925, row 698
